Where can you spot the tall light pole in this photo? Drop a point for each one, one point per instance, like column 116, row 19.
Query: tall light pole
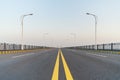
column 95, row 26
column 74, row 38
column 22, row 47
column 45, row 34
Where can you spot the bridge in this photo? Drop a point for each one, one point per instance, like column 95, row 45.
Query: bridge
column 70, row 63
column 60, row 40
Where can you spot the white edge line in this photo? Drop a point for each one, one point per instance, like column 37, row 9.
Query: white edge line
column 22, row 55
column 97, row 55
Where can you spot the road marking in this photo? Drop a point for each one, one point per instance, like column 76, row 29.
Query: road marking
column 55, row 75
column 56, row 68
column 22, row 55
column 66, row 68
column 97, row 55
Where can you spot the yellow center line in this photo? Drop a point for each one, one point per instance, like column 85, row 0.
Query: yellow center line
column 55, row 75
column 66, row 68
column 56, row 69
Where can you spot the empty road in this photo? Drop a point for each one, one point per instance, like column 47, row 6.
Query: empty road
column 60, row 64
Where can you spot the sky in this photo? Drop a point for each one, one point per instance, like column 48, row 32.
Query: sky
column 60, row 23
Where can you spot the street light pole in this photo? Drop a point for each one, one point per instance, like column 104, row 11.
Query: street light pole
column 95, row 26
column 74, row 40
column 22, row 48
column 44, row 43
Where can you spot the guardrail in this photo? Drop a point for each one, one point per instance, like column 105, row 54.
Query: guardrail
column 110, row 46
column 8, row 47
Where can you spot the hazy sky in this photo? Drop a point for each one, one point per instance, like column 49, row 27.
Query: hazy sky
column 59, row 18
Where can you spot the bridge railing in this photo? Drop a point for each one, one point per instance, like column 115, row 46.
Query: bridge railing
column 110, row 46
column 7, row 46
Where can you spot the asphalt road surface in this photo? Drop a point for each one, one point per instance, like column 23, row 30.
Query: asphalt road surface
column 60, row 64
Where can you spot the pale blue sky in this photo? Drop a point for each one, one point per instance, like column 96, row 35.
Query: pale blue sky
column 59, row 18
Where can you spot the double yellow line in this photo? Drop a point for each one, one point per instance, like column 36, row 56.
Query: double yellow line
column 55, row 75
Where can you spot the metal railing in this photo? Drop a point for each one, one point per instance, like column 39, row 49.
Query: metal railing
column 110, row 46
column 7, row 46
